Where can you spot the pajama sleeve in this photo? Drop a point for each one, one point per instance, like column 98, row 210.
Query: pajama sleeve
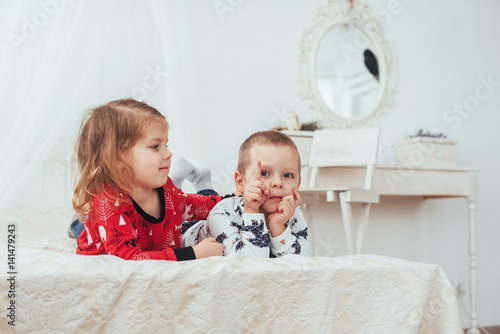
column 294, row 239
column 246, row 234
column 112, row 233
column 197, row 207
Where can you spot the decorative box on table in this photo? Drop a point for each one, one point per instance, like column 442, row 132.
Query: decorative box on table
column 426, row 152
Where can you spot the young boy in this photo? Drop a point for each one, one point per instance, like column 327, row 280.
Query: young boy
column 266, row 221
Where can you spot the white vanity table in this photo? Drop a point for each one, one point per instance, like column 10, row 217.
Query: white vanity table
column 347, row 71
column 403, row 181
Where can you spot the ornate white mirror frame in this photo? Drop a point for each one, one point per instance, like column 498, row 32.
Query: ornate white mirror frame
column 358, row 15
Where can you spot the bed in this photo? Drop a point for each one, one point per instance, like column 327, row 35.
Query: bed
column 57, row 291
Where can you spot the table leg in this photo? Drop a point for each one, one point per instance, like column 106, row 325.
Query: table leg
column 473, row 268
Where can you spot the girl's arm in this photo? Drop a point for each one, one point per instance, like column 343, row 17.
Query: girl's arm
column 113, row 233
column 193, row 206
column 197, row 207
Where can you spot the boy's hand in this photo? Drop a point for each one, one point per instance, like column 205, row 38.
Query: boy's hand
column 255, row 193
column 286, row 208
column 208, row 247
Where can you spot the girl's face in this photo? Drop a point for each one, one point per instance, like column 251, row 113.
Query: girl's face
column 150, row 157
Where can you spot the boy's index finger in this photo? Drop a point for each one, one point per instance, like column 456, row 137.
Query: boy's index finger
column 296, row 196
column 257, row 171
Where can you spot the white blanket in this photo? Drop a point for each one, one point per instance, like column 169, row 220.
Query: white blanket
column 57, row 291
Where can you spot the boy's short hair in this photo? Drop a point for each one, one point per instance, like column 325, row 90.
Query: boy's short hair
column 270, row 137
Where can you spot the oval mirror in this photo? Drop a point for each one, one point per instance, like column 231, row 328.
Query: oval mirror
column 346, row 76
column 346, row 68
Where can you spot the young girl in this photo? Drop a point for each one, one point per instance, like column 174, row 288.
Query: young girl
column 133, row 210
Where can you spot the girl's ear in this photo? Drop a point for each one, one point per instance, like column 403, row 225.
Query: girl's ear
column 239, row 182
column 124, row 158
column 120, row 164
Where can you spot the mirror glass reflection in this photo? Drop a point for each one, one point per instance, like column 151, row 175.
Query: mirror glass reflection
column 346, row 71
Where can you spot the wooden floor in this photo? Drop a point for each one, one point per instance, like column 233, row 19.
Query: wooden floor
column 493, row 329
column 490, row 329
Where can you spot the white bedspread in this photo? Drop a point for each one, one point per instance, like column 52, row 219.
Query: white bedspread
column 58, row 291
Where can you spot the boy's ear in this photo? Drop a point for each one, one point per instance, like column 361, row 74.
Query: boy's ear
column 238, row 181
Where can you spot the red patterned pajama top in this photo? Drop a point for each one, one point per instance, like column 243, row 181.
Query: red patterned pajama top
column 131, row 234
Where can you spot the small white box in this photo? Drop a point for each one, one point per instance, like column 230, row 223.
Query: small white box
column 426, row 152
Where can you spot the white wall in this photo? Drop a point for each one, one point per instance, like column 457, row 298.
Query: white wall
column 246, row 78
column 240, row 67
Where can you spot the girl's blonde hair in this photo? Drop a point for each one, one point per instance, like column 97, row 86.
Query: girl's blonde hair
column 106, row 134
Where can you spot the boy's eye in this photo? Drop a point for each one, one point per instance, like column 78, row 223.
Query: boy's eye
column 154, row 146
column 288, row 175
column 264, row 173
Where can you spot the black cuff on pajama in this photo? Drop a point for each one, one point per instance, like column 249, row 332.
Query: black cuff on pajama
column 184, row 253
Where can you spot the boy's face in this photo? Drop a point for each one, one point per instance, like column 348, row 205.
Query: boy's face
column 279, row 173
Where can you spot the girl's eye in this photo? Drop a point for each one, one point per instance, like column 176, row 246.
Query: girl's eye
column 155, row 146
column 288, row 175
column 263, row 173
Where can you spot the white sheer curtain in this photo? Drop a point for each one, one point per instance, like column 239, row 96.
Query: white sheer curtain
column 58, row 58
